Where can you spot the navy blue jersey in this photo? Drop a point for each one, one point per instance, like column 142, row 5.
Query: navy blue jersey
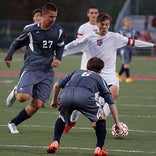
column 88, row 80
column 42, row 45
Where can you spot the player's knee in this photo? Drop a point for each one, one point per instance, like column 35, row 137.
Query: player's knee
column 22, row 97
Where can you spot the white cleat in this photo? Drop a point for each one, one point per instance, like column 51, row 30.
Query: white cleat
column 13, row 128
column 11, row 98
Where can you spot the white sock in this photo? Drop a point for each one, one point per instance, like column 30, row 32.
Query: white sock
column 75, row 115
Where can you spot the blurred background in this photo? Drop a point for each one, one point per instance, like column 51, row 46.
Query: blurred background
column 15, row 14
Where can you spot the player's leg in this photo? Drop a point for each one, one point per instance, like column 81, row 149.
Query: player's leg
column 20, row 93
column 65, row 109
column 24, row 114
column 93, row 110
column 58, row 130
column 40, row 93
column 101, row 135
column 127, row 66
column 74, row 117
column 122, row 69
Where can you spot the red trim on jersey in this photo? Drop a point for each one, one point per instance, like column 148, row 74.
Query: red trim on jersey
column 133, row 43
column 129, row 41
column 79, row 35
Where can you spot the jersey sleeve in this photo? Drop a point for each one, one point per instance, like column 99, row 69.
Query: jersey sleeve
column 80, row 31
column 19, row 42
column 76, row 46
column 105, row 92
column 120, row 40
column 60, row 45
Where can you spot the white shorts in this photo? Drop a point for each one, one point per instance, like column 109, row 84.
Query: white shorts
column 111, row 79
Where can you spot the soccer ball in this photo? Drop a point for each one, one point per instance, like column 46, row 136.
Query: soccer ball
column 123, row 133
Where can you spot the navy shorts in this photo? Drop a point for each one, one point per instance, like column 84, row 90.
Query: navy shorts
column 126, row 55
column 79, row 99
column 36, row 83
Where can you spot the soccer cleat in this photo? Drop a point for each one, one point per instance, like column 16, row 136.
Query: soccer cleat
column 68, row 127
column 53, row 147
column 119, row 77
column 13, row 128
column 100, row 152
column 11, row 98
column 129, row 80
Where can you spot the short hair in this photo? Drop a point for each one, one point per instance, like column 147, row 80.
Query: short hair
column 102, row 17
column 127, row 19
column 36, row 11
column 49, row 7
column 95, row 64
column 92, row 7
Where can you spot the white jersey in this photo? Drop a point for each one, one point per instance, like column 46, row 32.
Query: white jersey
column 105, row 48
column 84, row 29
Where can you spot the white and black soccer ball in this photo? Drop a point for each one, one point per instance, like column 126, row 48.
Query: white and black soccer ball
column 122, row 134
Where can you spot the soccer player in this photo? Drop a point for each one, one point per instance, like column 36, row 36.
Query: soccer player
column 37, row 15
column 45, row 46
column 88, row 27
column 104, row 44
column 126, row 51
column 85, row 28
column 81, row 89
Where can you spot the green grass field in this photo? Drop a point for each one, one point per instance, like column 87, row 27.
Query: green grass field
column 136, row 106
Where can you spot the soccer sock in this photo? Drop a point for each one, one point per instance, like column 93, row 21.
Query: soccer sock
column 20, row 117
column 59, row 127
column 122, row 69
column 127, row 72
column 75, row 115
column 100, row 132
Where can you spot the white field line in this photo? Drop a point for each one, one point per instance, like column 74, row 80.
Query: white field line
column 120, row 115
column 78, row 148
column 81, row 128
column 139, row 105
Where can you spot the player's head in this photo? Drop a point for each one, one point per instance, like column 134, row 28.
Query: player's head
column 92, row 13
column 36, row 15
column 103, row 23
column 49, row 7
column 127, row 22
column 95, row 64
column 49, row 14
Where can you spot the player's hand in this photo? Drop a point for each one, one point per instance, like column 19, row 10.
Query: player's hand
column 54, row 104
column 118, row 127
column 56, row 63
column 8, row 63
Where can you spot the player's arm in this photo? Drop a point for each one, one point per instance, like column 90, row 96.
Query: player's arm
column 80, row 31
column 16, row 44
column 106, row 94
column 56, row 90
column 59, row 49
column 60, row 45
column 122, row 41
column 57, row 87
column 76, row 46
column 139, row 43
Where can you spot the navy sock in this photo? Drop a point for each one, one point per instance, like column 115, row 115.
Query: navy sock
column 100, row 132
column 59, row 127
column 22, row 116
column 127, row 72
column 122, row 69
